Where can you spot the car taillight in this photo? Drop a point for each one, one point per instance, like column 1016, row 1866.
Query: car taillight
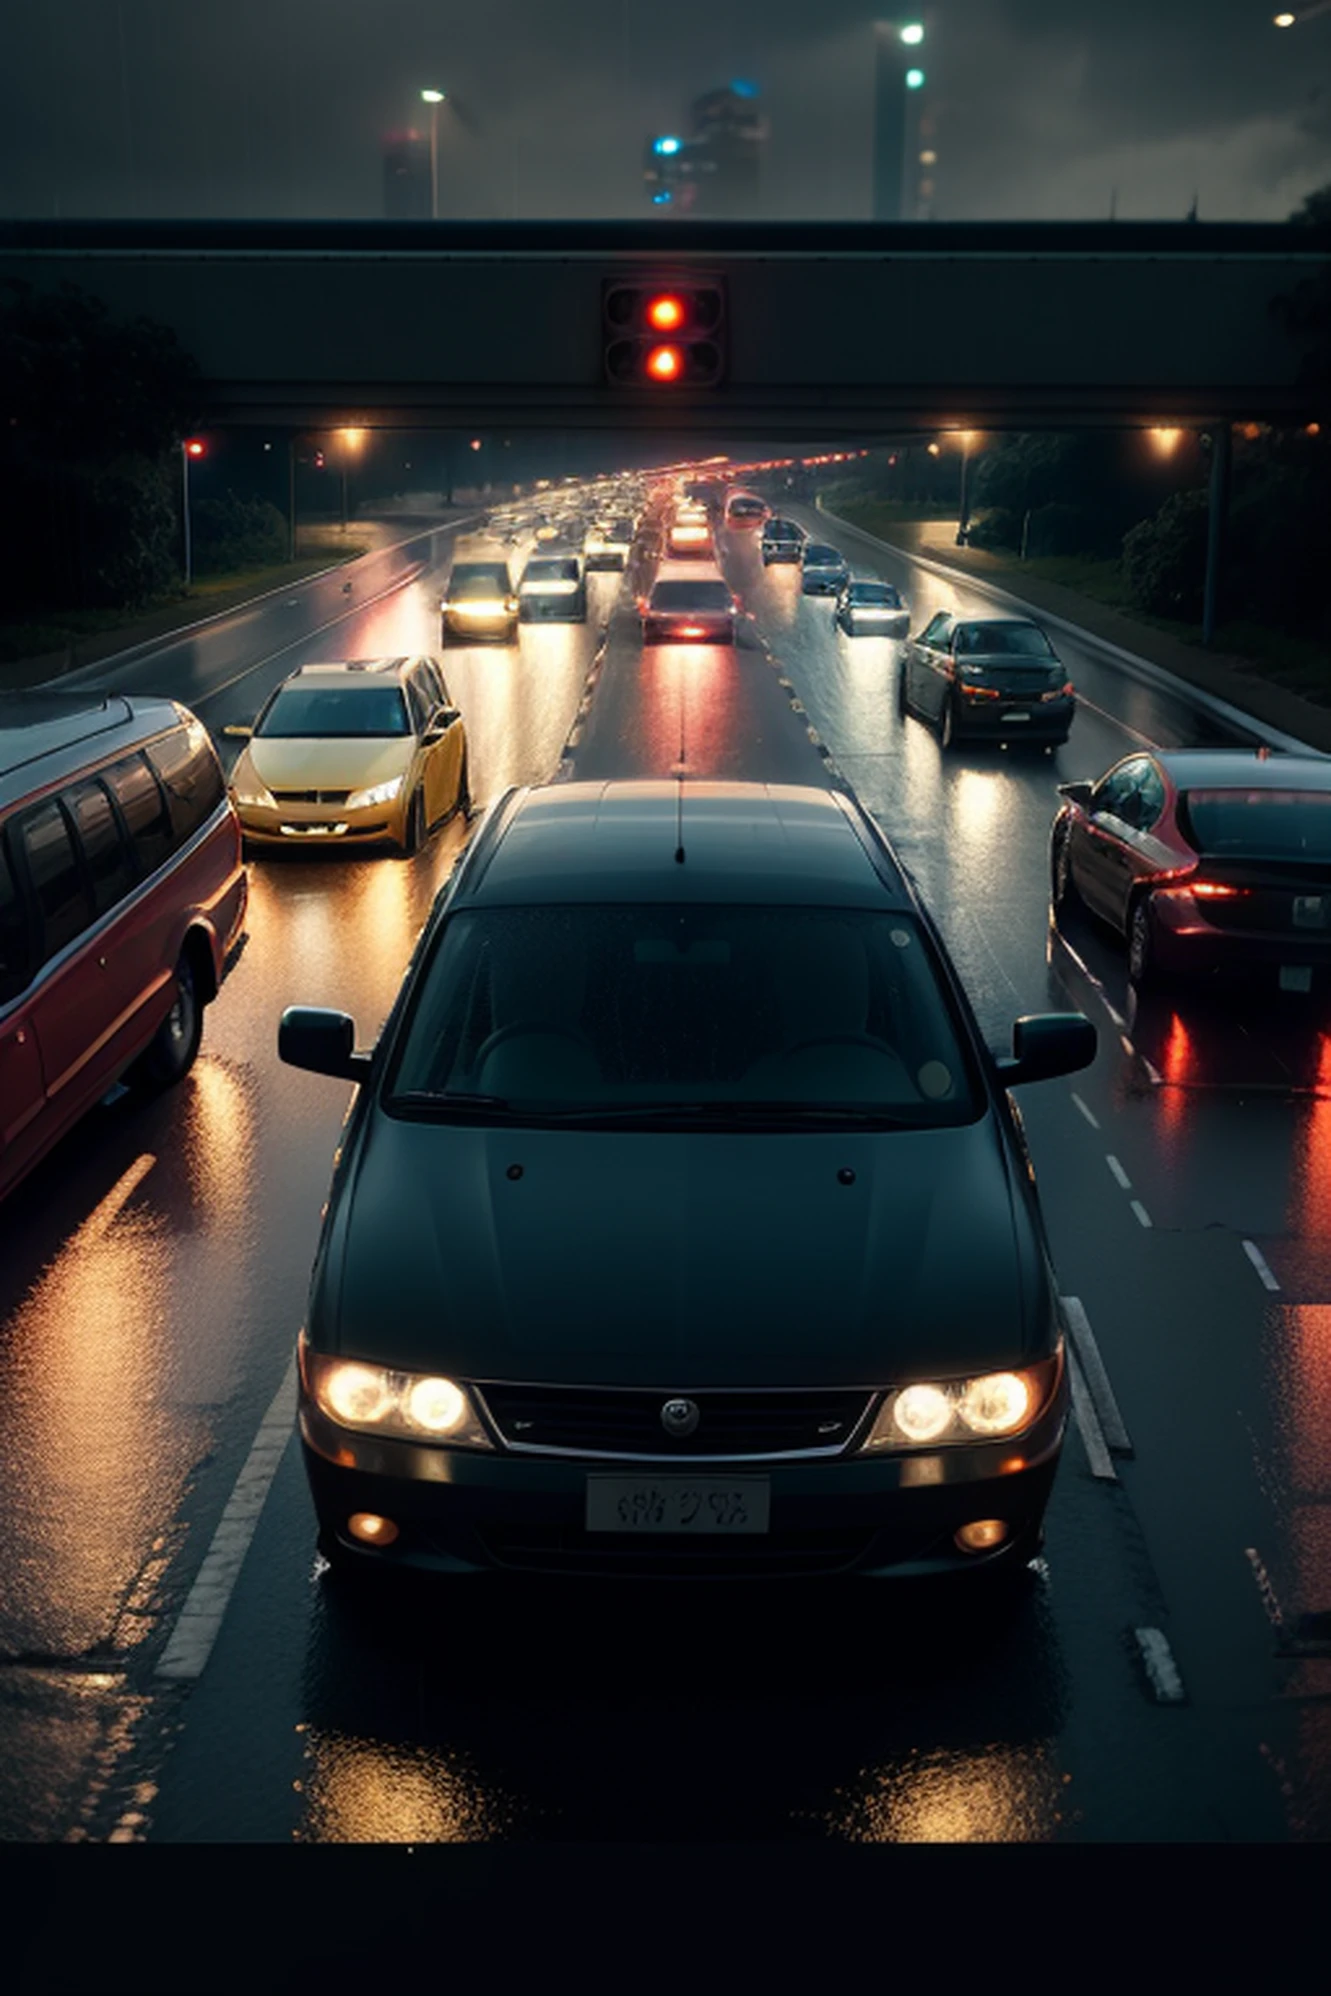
column 1063, row 692
column 1205, row 890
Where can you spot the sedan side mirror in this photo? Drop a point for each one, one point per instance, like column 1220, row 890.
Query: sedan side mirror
column 440, row 722
column 322, row 1041
column 1045, row 1045
column 1076, row 793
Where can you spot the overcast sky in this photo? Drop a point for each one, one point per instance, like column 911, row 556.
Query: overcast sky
column 1045, row 109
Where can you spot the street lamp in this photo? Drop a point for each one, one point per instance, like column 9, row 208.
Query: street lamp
column 190, row 447
column 967, row 439
column 351, row 441
column 1289, row 19
column 434, row 98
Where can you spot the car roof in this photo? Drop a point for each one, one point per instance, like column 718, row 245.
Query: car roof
column 337, row 671
column 817, row 548
column 1243, row 769
column 70, row 728
column 742, row 842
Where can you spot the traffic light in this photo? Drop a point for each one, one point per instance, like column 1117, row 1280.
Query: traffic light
column 664, row 334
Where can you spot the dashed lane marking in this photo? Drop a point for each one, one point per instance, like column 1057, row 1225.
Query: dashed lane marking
column 1162, row 1672
column 1112, row 1424
column 1260, row 1263
column 1088, row 1424
column 1092, row 1119
column 1140, row 1213
column 1119, row 1173
column 191, row 1642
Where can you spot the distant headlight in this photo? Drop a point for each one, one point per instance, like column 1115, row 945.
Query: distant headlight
column 378, row 793
column 249, row 790
column 415, row 1406
column 559, row 588
column 987, row 1407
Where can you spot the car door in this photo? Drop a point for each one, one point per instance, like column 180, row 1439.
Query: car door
column 22, row 1095
column 931, row 665
column 426, row 768
column 1102, row 854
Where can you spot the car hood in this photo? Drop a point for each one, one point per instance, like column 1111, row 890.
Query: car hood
column 353, row 764
column 667, row 1259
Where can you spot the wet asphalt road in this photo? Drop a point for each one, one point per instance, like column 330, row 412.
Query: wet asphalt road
column 154, row 1278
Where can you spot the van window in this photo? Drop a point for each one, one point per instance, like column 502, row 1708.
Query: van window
column 57, row 879
column 15, row 968
column 135, row 789
column 191, row 777
column 109, row 860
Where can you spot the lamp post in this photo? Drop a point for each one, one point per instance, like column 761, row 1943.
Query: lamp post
column 190, row 447
column 967, row 438
column 434, row 98
column 351, row 441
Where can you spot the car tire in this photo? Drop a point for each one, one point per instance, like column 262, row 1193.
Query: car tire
column 1062, row 887
column 169, row 1055
column 414, row 837
column 1143, row 949
column 947, row 725
column 903, row 698
column 462, row 802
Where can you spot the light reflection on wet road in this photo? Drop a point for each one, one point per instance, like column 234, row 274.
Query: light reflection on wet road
column 462, row 1721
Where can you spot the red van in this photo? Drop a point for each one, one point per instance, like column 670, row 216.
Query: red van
column 121, row 894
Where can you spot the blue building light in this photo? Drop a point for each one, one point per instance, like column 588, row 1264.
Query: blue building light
column 742, row 88
column 660, row 200
column 914, row 79
column 666, row 145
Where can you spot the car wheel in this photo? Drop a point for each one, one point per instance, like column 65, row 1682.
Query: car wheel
column 169, row 1055
column 414, row 838
column 947, row 725
column 1062, row 886
column 903, row 698
column 462, row 803
column 1143, row 951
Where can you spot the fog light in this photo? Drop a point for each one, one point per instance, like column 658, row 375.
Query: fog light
column 982, row 1536
column 372, row 1530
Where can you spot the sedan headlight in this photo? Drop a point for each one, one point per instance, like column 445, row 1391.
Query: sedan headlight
column 415, row 1406
column 378, row 793
column 249, row 790
column 987, row 1407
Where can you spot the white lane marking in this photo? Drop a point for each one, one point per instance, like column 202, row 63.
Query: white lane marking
column 1265, row 1587
column 1127, row 1046
column 1091, row 1119
column 1260, row 1263
column 1161, row 1669
column 1119, row 1173
column 1096, row 1374
column 1153, row 1073
column 107, row 1210
column 1140, row 1213
column 192, row 1639
column 1088, row 1422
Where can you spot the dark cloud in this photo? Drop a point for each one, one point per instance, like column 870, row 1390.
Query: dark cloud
column 277, row 107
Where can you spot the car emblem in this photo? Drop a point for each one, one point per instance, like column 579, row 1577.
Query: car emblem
column 680, row 1417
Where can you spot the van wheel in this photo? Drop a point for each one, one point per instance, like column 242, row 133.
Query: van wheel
column 947, row 725
column 462, row 807
column 169, row 1055
column 903, row 703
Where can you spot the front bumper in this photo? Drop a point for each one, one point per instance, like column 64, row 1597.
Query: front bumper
column 323, row 824
column 468, row 1511
column 553, row 610
column 479, row 627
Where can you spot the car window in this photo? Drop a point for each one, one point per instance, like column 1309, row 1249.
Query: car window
column 333, row 712
column 1259, row 824
column 108, row 856
column 482, row 579
column 1150, row 797
column 936, row 630
column 550, row 571
column 621, row 1005
column 136, row 790
column 1117, row 794
column 15, row 965
column 191, row 776
column 419, row 704
column 872, row 592
column 56, row 876
column 690, row 596
column 1003, row 640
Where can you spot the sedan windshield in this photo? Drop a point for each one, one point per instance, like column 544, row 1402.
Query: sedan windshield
column 690, row 596
column 697, row 1010
column 325, row 711
column 483, row 582
column 821, row 558
column 874, row 592
column 550, row 571
column 1000, row 640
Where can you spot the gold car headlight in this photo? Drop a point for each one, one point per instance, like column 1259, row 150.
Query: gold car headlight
column 379, row 1400
column 378, row 793
column 247, row 789
column 989, row 1406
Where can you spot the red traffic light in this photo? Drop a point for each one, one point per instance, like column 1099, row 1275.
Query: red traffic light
column 664, row 364
column 194, row 447
column 666, row 313
column 635, row 315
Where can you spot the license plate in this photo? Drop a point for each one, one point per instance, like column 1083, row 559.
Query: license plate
column 1309, row 911
column 681, row 1504
column 1016, row 715
column 1296, row 977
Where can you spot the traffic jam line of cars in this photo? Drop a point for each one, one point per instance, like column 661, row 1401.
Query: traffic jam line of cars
column 729, row 993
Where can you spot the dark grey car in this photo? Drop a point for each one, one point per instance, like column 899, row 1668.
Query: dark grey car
column 682, row 1223
column 990, row 678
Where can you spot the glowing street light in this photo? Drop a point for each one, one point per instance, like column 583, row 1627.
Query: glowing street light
column 1165, row 441
column 914, row 79
column 434, row 98
column 351, row 441
column 191, row 447
column 912, row 34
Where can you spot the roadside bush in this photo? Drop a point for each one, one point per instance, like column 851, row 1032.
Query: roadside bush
column 128, row 533
column 1061, row 528
column 232, row 532
column 1164, row 558
column 999, row 528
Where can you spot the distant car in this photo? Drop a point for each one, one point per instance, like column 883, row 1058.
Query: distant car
column 745, row 509
column 823, row 569
column 609, row 544
column 350, row 753
column 783, row 540
column 648, row 1023
column 870, row 609
column 1207, row 861
column 689, row 610
column 480, row 602
column 552, row 589
column 689, row 540
column 991, row 678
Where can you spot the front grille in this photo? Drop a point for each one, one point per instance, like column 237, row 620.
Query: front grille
column 310, row 796
column 557, row 1549
column 613, row 1421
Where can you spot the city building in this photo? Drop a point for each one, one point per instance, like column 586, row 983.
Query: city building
column 905, row 156
column 406, row 157
column 716, row 170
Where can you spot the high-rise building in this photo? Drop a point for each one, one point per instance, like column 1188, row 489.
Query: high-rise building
column 904, row 156
column 717, row 170
column 406, row 158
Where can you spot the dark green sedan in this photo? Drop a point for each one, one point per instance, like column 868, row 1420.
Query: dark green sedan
column 682, row 1224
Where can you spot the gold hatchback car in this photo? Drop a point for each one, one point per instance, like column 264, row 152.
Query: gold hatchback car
column 364, row 752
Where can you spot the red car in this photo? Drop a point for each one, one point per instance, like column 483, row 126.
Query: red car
column 700, row 610
column 121, row 894
column 1205, row 860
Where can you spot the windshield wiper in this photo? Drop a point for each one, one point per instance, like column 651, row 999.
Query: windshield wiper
column 425, row 1102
